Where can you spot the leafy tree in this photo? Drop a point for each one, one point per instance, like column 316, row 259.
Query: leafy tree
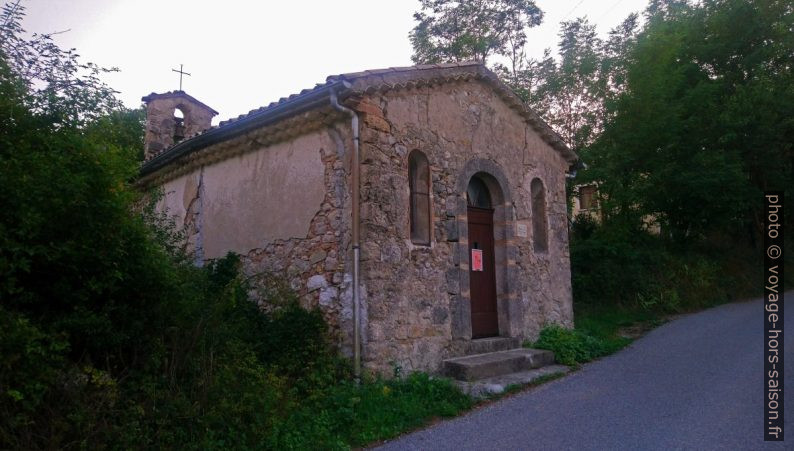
column 571, row 94
column 615, row 57
column 459, row 30
column 81, row 281
column 665, row 9
column 527, row 77
column 704, row 125
column 56, row 81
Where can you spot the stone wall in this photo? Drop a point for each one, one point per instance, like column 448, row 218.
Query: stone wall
column 285, row 209
column 161, row 124
column 418, row 305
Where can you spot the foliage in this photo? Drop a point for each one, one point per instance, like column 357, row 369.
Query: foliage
column 613, row 263
column 66, row 219
column 569, row 93
column 58, row 84
column 120, row 128
column 574, row 347
column 627, row 267
column 110, row 337
column 223, row 359
column 612, row 323
column 376, row 410
column 459, row 30
column 600, row 330
column 699, row 130
column 704, row 125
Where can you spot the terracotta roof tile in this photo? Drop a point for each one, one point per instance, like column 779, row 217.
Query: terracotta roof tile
column 380, row 80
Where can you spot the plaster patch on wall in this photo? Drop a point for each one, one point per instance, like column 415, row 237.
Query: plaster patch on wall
column 265, row 195
column 177, row 197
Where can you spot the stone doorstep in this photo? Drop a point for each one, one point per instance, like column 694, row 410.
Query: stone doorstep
column 482, row 366
column 492, row 344
column 498, row 384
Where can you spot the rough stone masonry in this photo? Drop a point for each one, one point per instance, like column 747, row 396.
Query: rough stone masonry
column 275, row 187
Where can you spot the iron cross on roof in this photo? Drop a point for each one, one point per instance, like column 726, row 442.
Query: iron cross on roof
column 181, row 72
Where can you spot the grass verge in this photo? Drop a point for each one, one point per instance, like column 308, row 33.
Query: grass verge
column 600, row 331
column 356, row 415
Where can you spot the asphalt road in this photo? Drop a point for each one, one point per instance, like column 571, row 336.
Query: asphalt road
column 693, row 383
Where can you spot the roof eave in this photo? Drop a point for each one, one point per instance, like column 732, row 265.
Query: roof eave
column 344, row 85
column 297, row 105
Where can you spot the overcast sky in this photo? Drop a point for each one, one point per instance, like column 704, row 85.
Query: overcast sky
column 245, row 54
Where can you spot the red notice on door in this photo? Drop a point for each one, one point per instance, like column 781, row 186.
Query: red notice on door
column 476, row 259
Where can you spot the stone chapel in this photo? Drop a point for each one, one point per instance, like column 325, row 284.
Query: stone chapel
column 422, row 209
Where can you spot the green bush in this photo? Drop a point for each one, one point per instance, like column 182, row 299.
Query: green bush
column 611, row 263
column 226, row 373
column 110, row 337
column 627, row 267
column 573, row 347
column 355, row 415
column 32, row 363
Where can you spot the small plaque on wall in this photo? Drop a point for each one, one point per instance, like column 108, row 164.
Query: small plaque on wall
column 521, row 230
column 476, row 260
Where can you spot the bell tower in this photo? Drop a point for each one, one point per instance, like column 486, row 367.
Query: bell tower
column 172, row 117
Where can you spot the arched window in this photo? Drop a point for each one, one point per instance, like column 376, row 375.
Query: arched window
column 179, row 125
column 539, row 223
column 419, row 184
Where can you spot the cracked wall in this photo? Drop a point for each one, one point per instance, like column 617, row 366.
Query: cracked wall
column 262, row 196
column 281, row 208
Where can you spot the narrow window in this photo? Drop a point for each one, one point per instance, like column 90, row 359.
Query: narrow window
column 419, row 185
column 587, row 199
column 539, row 228
column 179, row 125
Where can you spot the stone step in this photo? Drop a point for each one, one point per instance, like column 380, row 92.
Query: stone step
column 481, row 366
column 496, row 385
column 492, row 344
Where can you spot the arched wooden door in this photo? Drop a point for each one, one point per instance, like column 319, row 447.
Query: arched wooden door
column 482, row 266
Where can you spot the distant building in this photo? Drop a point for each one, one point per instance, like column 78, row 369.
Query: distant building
column 461, row 218
column 585, row 202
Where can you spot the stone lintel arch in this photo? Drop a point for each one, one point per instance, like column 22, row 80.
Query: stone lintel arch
column 186, row 109
column 497, row 182
column 505, row 251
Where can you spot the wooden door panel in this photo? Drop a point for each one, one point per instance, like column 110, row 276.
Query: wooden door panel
column 482, row 284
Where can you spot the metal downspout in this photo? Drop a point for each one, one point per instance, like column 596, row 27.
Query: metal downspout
column 354, row 172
